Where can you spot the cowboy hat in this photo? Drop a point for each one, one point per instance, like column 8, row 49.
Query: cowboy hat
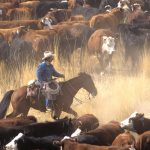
column 47, row 54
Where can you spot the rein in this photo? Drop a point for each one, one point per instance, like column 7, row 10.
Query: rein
column 77, row 99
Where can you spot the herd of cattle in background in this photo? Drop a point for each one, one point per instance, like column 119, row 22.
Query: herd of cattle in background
column 27, row 28
column 99, row 27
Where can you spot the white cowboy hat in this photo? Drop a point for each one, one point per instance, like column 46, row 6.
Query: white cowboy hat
column 47, row 54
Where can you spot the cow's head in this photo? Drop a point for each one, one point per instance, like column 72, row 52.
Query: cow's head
column 126, row 124
column 108, row 44
column 47, row 22
column 137, row 123
column 136, row 6
column 125, row 5
column 134, row 123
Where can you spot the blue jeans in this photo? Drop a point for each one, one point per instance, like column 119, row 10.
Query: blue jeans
column 48, row 103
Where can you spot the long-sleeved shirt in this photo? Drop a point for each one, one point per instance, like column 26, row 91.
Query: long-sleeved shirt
column 45, row 72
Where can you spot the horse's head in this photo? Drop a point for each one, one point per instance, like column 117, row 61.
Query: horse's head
column 88, row 83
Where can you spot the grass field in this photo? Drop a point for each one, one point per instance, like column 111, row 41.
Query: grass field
column 118, row 94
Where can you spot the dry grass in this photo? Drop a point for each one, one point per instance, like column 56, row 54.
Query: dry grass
column 118, row 95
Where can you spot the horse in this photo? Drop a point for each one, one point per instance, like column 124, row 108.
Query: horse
column 21, row 103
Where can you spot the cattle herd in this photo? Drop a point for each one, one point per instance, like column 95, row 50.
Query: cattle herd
column 82, row 133
column 97, row 27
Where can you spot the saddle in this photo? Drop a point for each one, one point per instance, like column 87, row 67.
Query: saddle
column 48, row 89
column 33, row 89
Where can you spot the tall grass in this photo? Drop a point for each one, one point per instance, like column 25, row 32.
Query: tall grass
column 118, row 94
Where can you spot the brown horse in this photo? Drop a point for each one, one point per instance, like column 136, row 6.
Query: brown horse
column 21, row 103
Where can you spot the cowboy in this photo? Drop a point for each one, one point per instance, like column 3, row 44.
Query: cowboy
column 45, row 71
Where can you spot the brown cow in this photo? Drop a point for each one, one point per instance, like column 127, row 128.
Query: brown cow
column 69, row 36
column 9, row 33
column 20, row 121
column 124, row 139
column 72, row 145
column 23, row 13
column 107, row 20
column 31, row 24
column 30, row 4
column 143, row 141
column 104, row 135
column 40, row 39
column 86, row 122
column 102, row 44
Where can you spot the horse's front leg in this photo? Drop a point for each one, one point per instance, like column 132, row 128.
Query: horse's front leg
column 71, row 111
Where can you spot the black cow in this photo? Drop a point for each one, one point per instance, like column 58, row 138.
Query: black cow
column 59, row 127
column 134, row 38
column 30, row 143
column 103, row 135
column 45, row 6
column 138, row 123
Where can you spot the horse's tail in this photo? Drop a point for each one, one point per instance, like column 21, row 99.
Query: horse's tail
column 5, row 103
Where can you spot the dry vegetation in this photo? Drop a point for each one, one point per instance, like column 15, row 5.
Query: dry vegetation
column 118, row 94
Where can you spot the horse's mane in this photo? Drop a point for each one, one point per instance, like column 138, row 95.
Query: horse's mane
column 79, row 74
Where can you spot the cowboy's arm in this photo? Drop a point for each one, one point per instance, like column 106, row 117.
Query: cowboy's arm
column 57, row 74
column 39, row 72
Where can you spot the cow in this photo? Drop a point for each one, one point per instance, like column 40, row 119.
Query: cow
column 124, row 139
column 104, row 135
column 22, row 13
column 11, row 32
column 134, row 38
column 21, row 51
column 143, row 141
column 20, row 121
column 45, row 6
column 137, row 16
column 55, row 16
column 29, row 143
column 72, row 145
column 102, row 43
column 4, row 48
column 86, row 122
column 107, row 20
column 23, row 142
column 40, row 40
column 137, row 123
column 69, row 36
column 31, row 24
column 60, row 127
column 86, row 12
column 72, row 37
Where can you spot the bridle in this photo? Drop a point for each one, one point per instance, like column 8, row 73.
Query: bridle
column 78, row 99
